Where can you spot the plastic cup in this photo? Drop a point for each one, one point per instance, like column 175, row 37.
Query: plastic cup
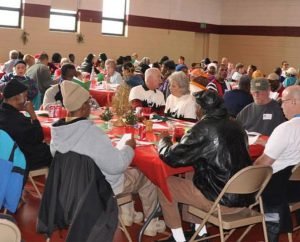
column 178, row 133
column 146, row 111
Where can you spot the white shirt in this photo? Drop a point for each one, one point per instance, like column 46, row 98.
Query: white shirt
column 181, row 107
column 49, row 97
column 236, row 76
column 284, row 145
column 153, row 98
column 116, row 78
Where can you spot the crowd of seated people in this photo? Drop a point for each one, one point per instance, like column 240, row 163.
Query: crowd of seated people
column 248, row 97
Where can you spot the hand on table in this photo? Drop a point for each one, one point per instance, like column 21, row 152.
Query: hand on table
column 131, row 142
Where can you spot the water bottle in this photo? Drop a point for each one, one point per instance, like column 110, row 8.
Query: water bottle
column 93, row 79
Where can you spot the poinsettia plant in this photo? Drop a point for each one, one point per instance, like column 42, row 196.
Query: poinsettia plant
column 106, row 115
column 131, row 118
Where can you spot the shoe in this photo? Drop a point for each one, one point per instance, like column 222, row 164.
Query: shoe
column 129, row 215
column 188, row 235
column 154, row 227
column 129, row 219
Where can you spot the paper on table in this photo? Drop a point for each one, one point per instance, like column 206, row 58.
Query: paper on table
column 159, row 126
column 252, row 137
column 122, row 141
column 143, row 143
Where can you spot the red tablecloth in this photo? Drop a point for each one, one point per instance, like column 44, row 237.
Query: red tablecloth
column 103, row 97
column 148, row 161
column 146, row 157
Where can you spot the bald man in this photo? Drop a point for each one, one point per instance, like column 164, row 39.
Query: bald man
column 282, row 153
column 148, row 95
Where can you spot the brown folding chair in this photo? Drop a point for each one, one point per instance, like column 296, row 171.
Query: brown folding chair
column 121, row 200
column 252, row 179
column 38, row 172
column 296, row 205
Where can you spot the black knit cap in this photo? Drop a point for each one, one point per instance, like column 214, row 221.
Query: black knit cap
column 20, row 62
column 13, row 88
column 208, row 100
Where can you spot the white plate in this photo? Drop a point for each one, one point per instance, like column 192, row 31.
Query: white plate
column 156, row 120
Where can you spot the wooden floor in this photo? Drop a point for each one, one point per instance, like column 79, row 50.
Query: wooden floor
column 27, row 214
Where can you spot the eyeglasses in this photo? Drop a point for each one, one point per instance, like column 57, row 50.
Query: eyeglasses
column 283, row 101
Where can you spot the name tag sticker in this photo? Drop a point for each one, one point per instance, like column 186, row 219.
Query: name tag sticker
column 267, row 116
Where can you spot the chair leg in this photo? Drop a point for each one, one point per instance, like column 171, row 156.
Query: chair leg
column 290, row 237
column 220, row 224
column 261, row 207
column 245, row 233
column 229, row 234
column 265, row 230
column 35, row 187
column 123, row 227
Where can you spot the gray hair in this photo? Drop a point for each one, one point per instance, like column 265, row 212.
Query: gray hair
column 181, row 79
column 111, row 62
column 151, row 71
column 13, row 54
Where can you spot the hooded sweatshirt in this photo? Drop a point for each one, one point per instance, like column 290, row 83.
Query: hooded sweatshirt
column 83, row 137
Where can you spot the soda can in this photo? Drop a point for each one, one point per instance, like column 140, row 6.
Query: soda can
column 142, row 131
column 51, row 111
column 58, row 111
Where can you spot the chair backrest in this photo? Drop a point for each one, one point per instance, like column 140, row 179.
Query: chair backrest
column 9, row 231
column 249, row 180
column 295, row 173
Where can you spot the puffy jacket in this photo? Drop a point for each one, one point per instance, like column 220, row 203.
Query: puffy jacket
column 217, row 148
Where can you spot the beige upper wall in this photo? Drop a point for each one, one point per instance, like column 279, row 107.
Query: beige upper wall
column 207, row 11
column 265, row 52
column 261, row 12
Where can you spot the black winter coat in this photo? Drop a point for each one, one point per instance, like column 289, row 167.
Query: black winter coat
column 28, row 135
column 78, row 196
column 217, row 148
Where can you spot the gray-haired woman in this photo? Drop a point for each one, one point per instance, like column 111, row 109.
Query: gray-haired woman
column 180, row 104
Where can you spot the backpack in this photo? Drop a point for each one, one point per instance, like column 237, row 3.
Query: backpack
column 12, row 169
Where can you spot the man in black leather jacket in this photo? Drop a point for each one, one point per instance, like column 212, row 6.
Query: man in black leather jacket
column 217, row 148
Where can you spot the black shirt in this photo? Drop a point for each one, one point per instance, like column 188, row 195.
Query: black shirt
column 28, row 135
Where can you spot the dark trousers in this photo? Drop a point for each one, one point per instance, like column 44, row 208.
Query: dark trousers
column 277, row 195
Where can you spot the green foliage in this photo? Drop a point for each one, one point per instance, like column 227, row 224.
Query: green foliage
column 106, row 115
column 130, row 118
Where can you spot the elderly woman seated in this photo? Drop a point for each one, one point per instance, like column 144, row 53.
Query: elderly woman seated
column 112, row 75
column 180, row 104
